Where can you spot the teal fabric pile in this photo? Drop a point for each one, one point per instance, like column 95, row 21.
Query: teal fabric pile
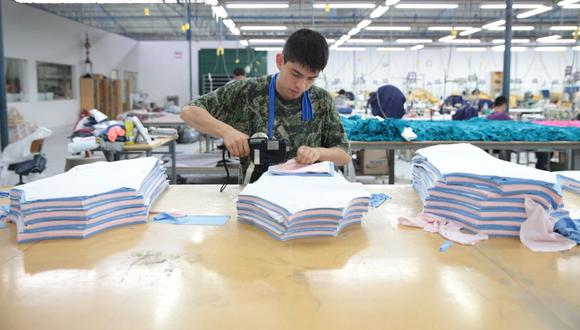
column 476, row 129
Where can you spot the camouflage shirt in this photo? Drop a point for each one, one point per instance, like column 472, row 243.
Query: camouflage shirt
column 244, row 105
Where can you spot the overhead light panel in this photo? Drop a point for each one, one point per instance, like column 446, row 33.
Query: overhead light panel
column 257, row 5
column 342, row 5
column 388, row 28
column 514, row 6
column 513, row 49
column 446, row 38
column 464, row 41
column 351, row 49
column 469, row 32
column 235, row 31
column 558, row 41
column 493, row 24
column 550, row 49
column 564, row 3
column 573, row 6
column 353, row 31
column 514, row 28
column 330, row 41
column 564, row 28
column 417, row 47
column 365, row 41
column 414, row 41
column 244, row 43
column 514, row 41
column 391, row 2
column 471, row 49
column 271, row 49
column 426, row 6
column 363, row 24
column 390, row 49
column 379, row 11
column 229, row 23
column 449, row 28
column 534, row 12
column 263, row 28
column 576, row 48
column 267, row 41
column 219, row 11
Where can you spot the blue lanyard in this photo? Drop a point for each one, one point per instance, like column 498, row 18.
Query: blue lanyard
column 307, row 113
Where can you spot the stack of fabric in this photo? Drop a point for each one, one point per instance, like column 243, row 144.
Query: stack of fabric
column 570, row 180
column 463, row 184
column 87, row 199
column 295, row 206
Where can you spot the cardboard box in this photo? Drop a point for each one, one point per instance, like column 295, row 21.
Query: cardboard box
column 373, row 162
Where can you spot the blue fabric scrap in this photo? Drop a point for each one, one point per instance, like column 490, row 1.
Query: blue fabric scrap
column 209, row 220
column 569, row 228
column 446, row 245
column 4, row 194
column 378, row 199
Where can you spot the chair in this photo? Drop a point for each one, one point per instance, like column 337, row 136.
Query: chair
column 36, row 165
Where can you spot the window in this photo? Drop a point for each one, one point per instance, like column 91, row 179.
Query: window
column 132, row 77
column 14, row 69
column 54, row 81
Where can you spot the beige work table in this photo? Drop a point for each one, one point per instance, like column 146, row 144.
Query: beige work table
column 373, row 276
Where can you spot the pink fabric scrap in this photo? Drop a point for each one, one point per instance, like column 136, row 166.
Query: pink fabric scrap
column 537, row 232
column 558, row 123
column 115, row 132
column 449, row 230
column 293, row 167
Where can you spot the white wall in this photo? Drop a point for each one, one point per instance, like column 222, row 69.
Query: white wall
column 35, row 35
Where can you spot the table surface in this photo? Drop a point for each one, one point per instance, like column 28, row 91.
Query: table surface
column 372, row 276
column 156, row 143
column 169, row 119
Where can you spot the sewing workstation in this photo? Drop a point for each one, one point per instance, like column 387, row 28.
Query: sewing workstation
column 224, row 164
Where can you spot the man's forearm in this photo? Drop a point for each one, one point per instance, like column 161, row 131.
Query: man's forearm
column 203, row 121
column 335, row 154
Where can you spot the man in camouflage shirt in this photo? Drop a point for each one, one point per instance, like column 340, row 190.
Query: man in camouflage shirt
column 238, row 110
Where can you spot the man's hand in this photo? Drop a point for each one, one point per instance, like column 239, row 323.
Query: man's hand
column 237, row 143
column 307, row 155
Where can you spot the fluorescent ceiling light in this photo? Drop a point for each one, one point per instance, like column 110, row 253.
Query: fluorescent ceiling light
column 365, row 41
column 471, row 49
column 548, row 38
column 449, row 28
column 263, row 28
column 272, row 49
column 235, row 31
column 501, row 48
column 379, row 11
column 575, row 6
column 257, row 5
column 576, row 48
column 363, row 24
column 446, row 38
column 514, row 41
column 534, row 12
column 514, row 28
column 514, row 6
column 426, row 6
column 229, row 23
column 564, row 28
column 353, row 31
column 330, row 41
column 493, row 24
column 417, row 47
column 550, row 49
column 469, row 32
column 390, row 49
column 558, row 41
column 567, row 2
column 244, row 43
column 464, row 41
column 391, row 2
column 414, row 41
column 219, row 11
column 351, row 49
column 267, row 41
column 388, row 28
column 340, row 5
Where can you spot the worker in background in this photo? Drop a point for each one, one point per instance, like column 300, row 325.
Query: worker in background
column 302, row 113
column 239, row 74
column 343, row 104
column 499, row 109
column 388, row 102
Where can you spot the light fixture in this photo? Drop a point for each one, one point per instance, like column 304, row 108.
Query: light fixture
column 426, row 6
column 388, row 28
column 365, row 41
column 390, row 49
column 417, row 47
column 363, row 24
column 564, row 28
column 244, row 43
column 514, row 28
column 235, row 31
column 414, row 41
column 493, row 24
column 558, row 41
column 351, row 49
column 469, row 32
column 257, row 5
column 340, row 5
column 330, row 41
column 514, row 41
column 471, row 49
column 391, row 2
column 534, row 12
column 461, row 41
column 263, row 28
column 548, row 38
column 379, row 11
column 272, row 49
column 501, row 48
column 550, row 49
column 574, row 6
column 514, row 6
column 449, row 28
column 564, row 3
column 219, row 11
column 267, row 41
column 576, row 48
column 229, row 23
column 446, row 38
column 353, row 31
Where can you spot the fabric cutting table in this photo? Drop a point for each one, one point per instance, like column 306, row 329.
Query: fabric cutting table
column 390, row 146
column 372, row 276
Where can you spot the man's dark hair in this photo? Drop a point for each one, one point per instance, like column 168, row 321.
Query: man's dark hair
column 239, row 72
column 341, row 92
column 307, row 47
column 499, row 101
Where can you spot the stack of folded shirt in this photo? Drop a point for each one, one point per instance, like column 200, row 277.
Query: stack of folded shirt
column 288, row 207
column 463, row 184
column 87, row 199
column 570, row 180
